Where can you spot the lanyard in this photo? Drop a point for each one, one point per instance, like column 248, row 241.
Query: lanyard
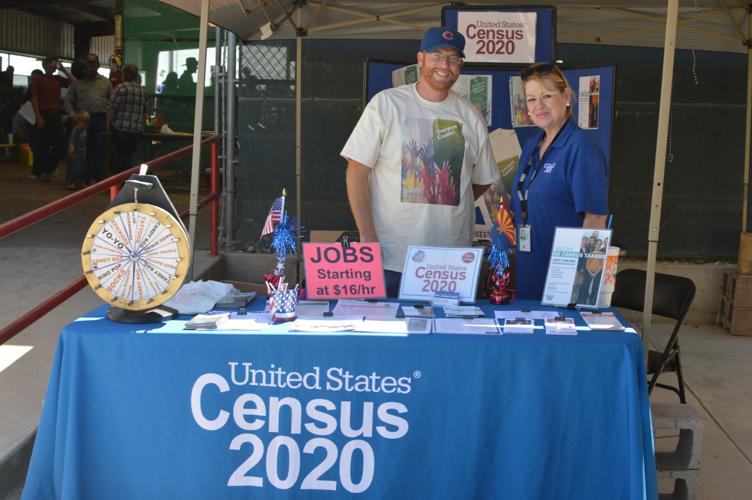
column 522, row 192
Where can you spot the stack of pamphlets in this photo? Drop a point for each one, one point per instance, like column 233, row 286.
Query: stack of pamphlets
column 207, row 321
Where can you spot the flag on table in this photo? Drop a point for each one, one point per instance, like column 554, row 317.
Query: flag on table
column 504, row 224
column 275, row 215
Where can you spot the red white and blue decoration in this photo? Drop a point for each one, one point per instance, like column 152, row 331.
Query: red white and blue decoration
column 500, row 273
column 283, row 302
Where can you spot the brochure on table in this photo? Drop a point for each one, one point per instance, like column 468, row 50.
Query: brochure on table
column 337, row 271
column 576, row 267
column 434, row 269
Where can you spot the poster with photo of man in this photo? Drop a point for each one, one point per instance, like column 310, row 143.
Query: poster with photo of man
column 575, row 270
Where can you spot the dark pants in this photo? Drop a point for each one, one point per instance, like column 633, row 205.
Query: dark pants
column 94, row 146
column 125, row 144
column 48, row 144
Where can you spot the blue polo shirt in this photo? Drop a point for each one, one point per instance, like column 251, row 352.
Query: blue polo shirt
column 571, row 179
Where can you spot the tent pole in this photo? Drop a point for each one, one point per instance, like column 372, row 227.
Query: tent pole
column 748, row 123
column 298, row 136
column 230, row 152
column 672, row 13
column 219, row 126
column 197, row 123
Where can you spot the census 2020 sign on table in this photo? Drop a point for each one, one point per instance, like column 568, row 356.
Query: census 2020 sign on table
column 338, row 453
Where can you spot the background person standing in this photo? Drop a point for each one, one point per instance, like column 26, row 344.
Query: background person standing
column 91, row 94
column 49, row 140
column 125, row 117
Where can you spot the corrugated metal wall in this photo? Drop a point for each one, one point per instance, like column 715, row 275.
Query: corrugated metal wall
column 33, row 35
column 104, row 47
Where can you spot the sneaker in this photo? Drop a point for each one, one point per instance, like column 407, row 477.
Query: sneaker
column 33, row 176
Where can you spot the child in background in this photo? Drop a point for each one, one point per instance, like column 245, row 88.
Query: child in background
column 77, row 151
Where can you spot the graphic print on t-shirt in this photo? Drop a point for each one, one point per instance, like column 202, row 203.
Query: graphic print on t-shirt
column 432, row 156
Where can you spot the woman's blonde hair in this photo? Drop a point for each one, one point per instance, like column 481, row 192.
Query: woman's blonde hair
column 548, row 71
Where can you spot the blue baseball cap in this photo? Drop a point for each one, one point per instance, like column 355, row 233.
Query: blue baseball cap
column 443, row 37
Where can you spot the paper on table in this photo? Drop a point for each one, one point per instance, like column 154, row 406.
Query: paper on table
column 519, row 325
column 208, row 321
column 392, row 326
column 419, row 312
column 198, row 296
column 561, row 326
column 462, row 311
column 370, row 310
column 326, row 325
column 602, row 321
column 475, row 326
column 508, row 314
column 253, row 322
column 310, row 309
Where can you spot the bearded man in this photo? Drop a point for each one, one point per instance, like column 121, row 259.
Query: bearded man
column 418, row 158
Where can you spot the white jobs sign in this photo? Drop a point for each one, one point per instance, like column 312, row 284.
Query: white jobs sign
column 498, row 37
column 432, row 269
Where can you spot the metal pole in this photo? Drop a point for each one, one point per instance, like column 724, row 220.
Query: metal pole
column 217, row 71
column 748, row 121
column 672, row 12
column 197, row 122
column 298, row 136
column 230, row 140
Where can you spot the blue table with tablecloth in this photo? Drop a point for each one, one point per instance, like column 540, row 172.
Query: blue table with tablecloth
column 157, row 412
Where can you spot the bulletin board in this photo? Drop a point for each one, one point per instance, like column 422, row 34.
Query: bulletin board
column 378, row 77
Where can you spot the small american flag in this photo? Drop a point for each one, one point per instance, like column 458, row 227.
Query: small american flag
column 275, row 215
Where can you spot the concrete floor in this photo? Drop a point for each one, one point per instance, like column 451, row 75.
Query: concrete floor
column 44, row 258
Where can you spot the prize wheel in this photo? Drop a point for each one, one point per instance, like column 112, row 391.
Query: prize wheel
column 136, row 256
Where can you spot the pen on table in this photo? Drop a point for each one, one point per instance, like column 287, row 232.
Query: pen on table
column 609, row 221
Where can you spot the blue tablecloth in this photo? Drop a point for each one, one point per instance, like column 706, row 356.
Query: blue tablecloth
column 155, row 412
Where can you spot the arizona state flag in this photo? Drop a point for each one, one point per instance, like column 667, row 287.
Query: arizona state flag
column 504, row 226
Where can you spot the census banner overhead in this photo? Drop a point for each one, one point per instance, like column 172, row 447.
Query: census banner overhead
column 498, row 37
column 504, row 35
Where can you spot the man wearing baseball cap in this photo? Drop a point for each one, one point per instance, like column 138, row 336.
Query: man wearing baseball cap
column 418, row 158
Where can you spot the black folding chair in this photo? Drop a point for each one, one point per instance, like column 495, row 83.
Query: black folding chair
column 672, row 297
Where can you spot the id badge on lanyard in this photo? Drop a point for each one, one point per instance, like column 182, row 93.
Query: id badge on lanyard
column 523, row 238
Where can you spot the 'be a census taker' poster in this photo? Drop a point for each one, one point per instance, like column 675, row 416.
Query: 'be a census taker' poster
column 498, row 37
column 576, row 267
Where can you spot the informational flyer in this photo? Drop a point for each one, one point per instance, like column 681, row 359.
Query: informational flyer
column 435, row 269
column 405, row 75
column 576, row 266
column 589, row 96
column 517, row 103
column 498, row 37
column 475, row 88
column 506, row 150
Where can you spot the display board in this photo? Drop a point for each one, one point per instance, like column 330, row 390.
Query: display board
column 379, row 77
column 505, row 34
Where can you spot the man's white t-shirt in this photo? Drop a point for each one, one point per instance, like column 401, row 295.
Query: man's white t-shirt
column 424, row 158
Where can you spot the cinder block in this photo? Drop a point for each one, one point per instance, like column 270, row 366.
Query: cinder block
column 735, row 309
column 737, row 288
column 688, row 450
column 686, row 484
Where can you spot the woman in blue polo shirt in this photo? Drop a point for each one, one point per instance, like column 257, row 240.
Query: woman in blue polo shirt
column 562, row 179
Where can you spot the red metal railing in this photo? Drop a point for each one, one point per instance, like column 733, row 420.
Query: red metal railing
column 42, row 213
